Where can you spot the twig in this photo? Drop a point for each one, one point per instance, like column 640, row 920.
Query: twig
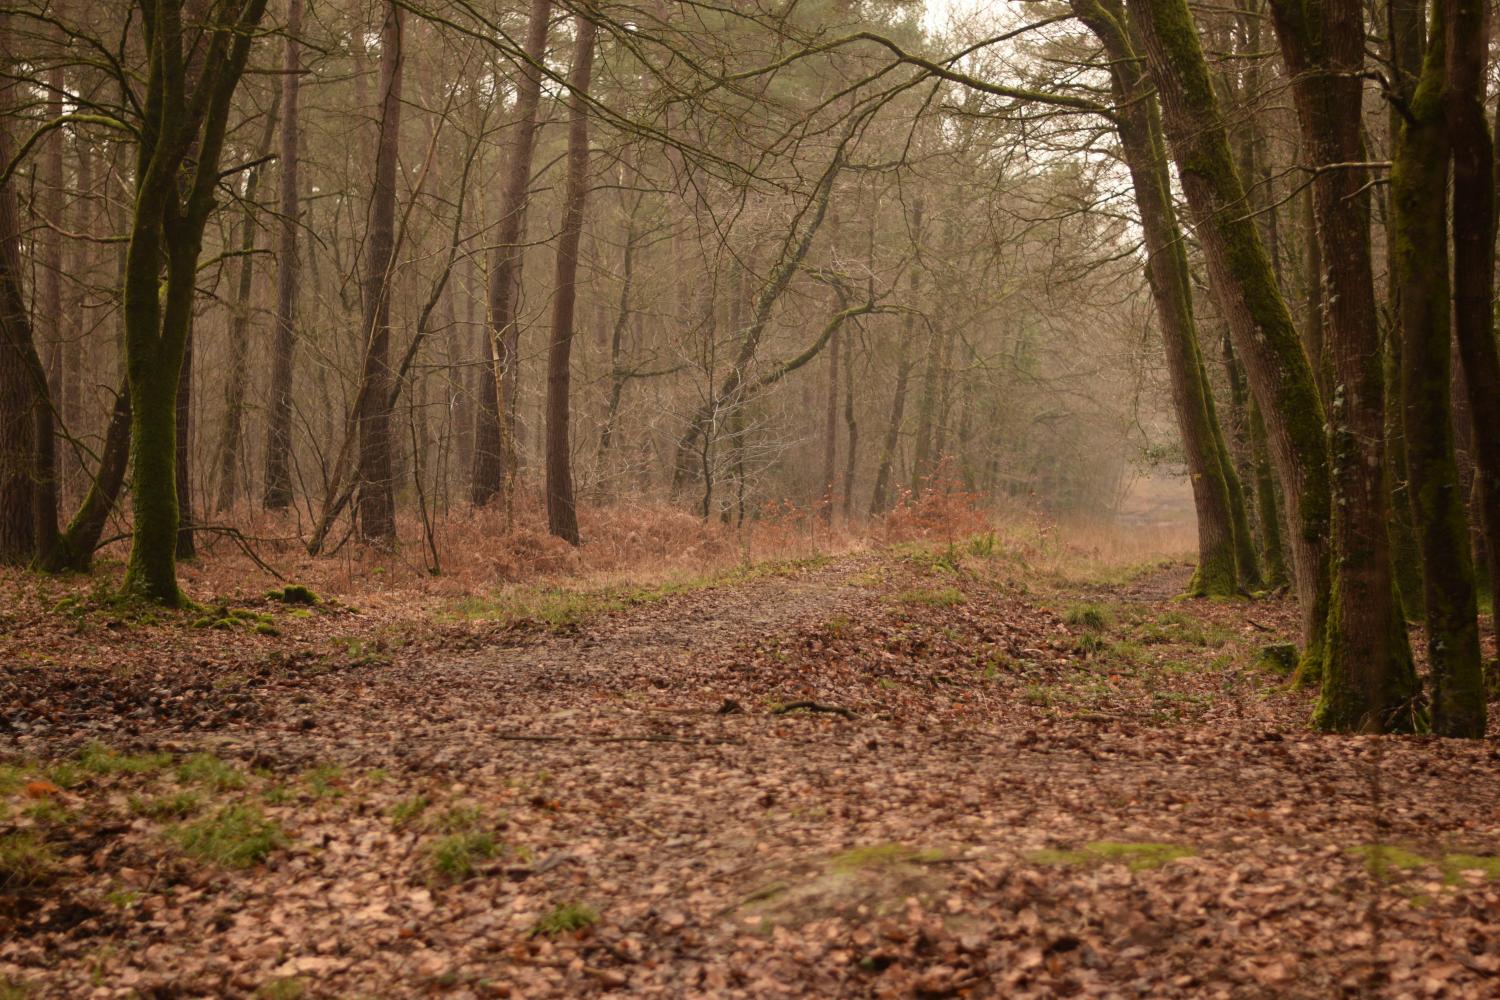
column 539, row 738
column 813, row 706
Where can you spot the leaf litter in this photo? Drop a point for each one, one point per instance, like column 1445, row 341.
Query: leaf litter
column 1018, row 787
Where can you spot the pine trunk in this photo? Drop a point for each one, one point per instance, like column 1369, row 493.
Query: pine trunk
column 562, row 512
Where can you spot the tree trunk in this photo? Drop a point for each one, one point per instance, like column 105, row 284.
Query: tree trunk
column 18, row 388
column 376, row 508
column 1267, row 503
column 61, row 329
column 831, row 432
column 278, row 486
column 1220, row 560
column 851, row 429
column 562, row 512
column 1369, row 682
column 884, row 475
column 1419, row 212
column 186, row 549
column 494, row 446
column 1474, row 181
column 1264, row 335
column 924, row 463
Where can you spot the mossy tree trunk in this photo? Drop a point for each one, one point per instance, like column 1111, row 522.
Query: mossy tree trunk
column 1267, row 503
column 1419, row 239
column 1264, row 335
column 1369, row 682
column 184, row 111
column 562, row 511
column 1138, row 122
column 28, row 494
column 1474, row 264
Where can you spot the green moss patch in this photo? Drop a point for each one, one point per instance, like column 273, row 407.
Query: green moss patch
column 1386, row 860
column 1141, row 856
column 293, row 593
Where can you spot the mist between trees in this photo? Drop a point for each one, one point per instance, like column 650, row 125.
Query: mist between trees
column 364, row 264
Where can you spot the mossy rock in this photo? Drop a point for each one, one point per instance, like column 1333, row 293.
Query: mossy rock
column 1280, row 658
column 294, row 593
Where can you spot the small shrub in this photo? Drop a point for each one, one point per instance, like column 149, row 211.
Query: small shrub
column 234, row 837
column 565, row 919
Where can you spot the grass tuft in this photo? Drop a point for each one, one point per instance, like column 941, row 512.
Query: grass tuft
column 406, row 812
column 179, row 805
column 942, row 597
column 1088, row 616
column 233, row 837
column 96, row 758
column 566, row 919
column 454, row 857
column 25, row 859
column 211, row 772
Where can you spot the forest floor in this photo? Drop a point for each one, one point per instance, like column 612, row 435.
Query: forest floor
column 999, row 782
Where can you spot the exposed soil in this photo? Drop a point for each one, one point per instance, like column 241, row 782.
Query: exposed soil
column 999, row 785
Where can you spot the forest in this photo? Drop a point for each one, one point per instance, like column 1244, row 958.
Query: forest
column 749, row 498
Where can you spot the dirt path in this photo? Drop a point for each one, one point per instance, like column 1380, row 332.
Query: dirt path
column 1030, row 795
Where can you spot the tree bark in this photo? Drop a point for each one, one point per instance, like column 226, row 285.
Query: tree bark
column 1419, row 238
column 494, row 446
column 278, row 485
column 376, row 505
column 20, row 450
column 172, row 203
column 1474, row 181
column 1220, row 558
column 880, row 500
column 1369, row 682
column 562, row 511
column 239, row 335
column 1262, row 328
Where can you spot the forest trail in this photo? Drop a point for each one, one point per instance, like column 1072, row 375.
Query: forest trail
column 1036, row 787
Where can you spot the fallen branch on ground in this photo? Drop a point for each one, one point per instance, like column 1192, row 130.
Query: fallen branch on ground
column 813, row 706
